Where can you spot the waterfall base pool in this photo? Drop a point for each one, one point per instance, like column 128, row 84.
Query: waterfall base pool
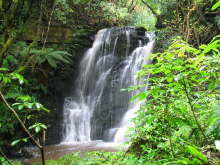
column 53, row 152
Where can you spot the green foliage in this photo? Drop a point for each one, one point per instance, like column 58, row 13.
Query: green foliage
column 195, row 157
column 114, row 12
column 98, row 158
column 183, row 92
column 22, row 82
column 14, row 90
column 15, row 142
column 105, row 12
column 3, row 161
column 161, row 7
column 53, row 57
column 183, row 17
column 143, row 18
column 122, row 158
column 216, row 5
column 38, row 127
column 22, row 54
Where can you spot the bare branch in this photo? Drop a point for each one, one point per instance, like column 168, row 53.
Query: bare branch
column 152, row 10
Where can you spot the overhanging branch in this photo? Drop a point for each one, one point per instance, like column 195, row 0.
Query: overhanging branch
column 151, row 9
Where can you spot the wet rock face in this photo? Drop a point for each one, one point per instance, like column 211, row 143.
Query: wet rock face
column 135, row 38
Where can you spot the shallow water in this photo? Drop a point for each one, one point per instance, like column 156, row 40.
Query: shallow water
column 53, row 152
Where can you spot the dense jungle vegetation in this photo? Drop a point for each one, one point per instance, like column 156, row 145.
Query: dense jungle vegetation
column 179, row 121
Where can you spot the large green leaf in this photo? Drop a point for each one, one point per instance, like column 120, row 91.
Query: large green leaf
column 216, row 5
column 197, row 154
column 52, row 62
column 61, row 58
column 51, row 55
column 15, row 142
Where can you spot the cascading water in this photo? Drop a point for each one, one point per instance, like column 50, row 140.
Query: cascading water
column 98, row 109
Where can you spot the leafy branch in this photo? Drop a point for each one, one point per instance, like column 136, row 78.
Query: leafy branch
column 193, row 109
column 41, row 148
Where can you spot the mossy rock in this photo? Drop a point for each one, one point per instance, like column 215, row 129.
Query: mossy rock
column 56, row 34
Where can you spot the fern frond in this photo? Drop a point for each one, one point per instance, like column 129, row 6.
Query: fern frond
column 61, row 58
column 52, row 62
column 53, row 57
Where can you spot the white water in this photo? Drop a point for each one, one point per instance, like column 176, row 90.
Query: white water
column 143, row 53
column 98, row 109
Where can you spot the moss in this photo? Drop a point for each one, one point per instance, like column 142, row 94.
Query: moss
column 57, row 34
column 17, row 163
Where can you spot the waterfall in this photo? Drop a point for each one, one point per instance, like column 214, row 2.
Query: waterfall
column 98, row 109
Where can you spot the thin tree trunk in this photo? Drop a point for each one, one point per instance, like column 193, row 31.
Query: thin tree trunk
column 151, row 9
column 193, row 111
column 42, row 155
column 41, row 148
column 49, row 24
